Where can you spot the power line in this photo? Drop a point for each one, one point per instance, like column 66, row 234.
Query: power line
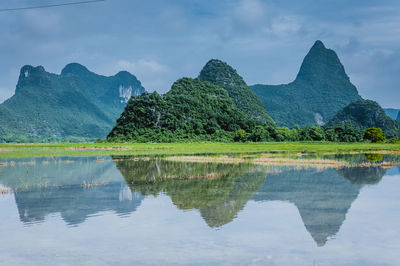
column 53, row 5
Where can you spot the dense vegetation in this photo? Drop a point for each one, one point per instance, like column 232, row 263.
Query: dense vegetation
column 398, row 117
column 365, row 114
column 320, row 90
column 223, row 75
column 76, row 105
column 192, row 110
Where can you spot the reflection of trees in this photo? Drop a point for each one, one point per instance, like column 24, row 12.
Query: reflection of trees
column 225, row 211
column 363, row 175
column 374, row 157
column 219, row 191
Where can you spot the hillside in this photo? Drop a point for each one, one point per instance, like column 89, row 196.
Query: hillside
column 223, row 75
column 398, row 117
column 366, row 114
column 193, row 109
column 76, row 104
column 320, row 90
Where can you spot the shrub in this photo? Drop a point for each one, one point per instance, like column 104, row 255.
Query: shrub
column 374, row 135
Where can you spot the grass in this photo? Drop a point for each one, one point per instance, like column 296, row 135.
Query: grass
column 141, row 149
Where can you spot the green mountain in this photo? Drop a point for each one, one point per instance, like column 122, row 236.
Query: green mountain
column 398, row 117
column 75, row 104
column 391, row 112
column 193, row 109
column 366, row 114
column 223, row 75
column 320, row 90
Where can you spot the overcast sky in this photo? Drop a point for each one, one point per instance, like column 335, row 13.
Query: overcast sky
column 161, row 41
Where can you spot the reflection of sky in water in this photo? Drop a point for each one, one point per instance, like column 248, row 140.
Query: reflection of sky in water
column 271, row 224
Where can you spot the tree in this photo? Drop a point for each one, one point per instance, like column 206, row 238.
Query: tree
column 240, row 135
column 374, row 135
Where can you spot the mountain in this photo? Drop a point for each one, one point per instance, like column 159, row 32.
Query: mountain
column 223, row 75
column 320, row 90
column 392, row 113
column 193, row 109
column 398, row 117
column 75, row 104
column 366, row 114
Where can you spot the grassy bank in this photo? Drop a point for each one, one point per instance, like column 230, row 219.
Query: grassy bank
column 92, row 149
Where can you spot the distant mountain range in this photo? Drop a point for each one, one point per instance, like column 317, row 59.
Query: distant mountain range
column 320, row 90
column 75, row 104
column 81, row 105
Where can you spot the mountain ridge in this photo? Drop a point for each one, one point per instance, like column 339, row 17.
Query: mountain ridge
column 76, row 103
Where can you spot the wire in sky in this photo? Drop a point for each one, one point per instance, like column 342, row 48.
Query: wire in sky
column 52, row 5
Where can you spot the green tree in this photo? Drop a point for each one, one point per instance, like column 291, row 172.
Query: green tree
column 240, row 135
column 374, row 135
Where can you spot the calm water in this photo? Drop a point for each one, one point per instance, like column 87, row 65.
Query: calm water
column 113, row 211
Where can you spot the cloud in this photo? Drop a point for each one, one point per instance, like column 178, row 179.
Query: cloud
column 43, row 22
column 151, row 73
column 249, row 13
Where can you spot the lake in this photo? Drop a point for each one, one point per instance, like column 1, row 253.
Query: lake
column 110, row 210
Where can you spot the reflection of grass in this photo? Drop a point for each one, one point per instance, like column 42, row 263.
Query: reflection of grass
column 266, row 159
column 87, row 149
column 4, row 191
column 261, row 160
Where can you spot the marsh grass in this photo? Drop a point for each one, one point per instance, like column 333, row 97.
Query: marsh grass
column 153, row 149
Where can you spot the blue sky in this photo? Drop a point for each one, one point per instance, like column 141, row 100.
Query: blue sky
column 161, row 41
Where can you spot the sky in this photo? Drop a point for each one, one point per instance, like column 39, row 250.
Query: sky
column 161, row 41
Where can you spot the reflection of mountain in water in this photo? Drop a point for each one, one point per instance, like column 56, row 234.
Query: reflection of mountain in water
column 76, row 203
column 57, row 186
column 323, row 198
column 218, row 191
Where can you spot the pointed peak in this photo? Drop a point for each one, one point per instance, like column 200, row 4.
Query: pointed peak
column 321, row 63
column 318, row 45
column 74, row 68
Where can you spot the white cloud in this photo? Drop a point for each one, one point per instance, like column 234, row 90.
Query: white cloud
column 251, row 12
column 151, row 73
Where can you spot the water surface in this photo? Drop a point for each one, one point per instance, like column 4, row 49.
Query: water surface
column 119, row 211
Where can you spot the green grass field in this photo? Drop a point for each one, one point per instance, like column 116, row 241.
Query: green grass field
column 93, row 149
